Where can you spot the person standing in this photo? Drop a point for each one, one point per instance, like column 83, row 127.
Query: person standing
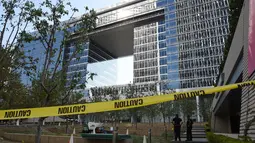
column 177, row 122
column 189, row 129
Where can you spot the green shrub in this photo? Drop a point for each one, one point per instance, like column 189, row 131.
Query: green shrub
column 212, row 138
column 207, row 127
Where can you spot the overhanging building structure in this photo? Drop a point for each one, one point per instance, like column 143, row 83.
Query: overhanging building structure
column 179, row 41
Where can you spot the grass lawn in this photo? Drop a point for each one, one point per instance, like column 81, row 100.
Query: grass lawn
column 139, row 139
column 157, row 131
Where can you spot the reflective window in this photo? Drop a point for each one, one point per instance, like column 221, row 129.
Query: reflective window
column 174, row 85
column 163, row 77
column 146, row 53
column 173, row 31
column 173, row 57
column 172, row 16
column 172, row 23
column 162, row 44
column 162, row 52
column 170, row 1
column 163, row 61
column 163, row 69
column 173, row 66
column 172, row 49
column 171, row 8
column 173, row 75
column 161, row 3
column 172, row 40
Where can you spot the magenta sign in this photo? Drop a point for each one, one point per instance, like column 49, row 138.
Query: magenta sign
column 251, row 38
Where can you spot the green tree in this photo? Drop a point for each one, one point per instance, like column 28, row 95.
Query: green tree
column 205, row 106
column 187, row 106
column 135, row 113
column 14, row 95
column 46, row 21
column 167, row 108
column 151, row 112
column 73, row 98
column 98, row 95
column 114, row 95
column 13, row 25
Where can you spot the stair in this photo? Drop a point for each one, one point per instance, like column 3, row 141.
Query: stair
column 198, row 135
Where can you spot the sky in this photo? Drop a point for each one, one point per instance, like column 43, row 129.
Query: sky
column 92, row 4
column 124, row 76
column 79, row 4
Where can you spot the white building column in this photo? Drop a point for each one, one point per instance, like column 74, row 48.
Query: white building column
column 198, row 109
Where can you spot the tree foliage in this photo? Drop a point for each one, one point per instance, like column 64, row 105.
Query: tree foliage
column 187, row 106
column 13, row 25
column 205, row 106
column 50, row 84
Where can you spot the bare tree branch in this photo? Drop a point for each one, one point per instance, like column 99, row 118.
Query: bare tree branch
column 17, row 31
column 58, row 60
column 63, row 43
column 4, row 27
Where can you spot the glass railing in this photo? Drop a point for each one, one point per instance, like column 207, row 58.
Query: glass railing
column 126, row 12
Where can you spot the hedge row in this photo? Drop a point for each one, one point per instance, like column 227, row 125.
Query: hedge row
column 213, row 138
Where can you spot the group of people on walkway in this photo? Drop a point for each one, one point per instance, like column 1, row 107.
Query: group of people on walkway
column 177, row 122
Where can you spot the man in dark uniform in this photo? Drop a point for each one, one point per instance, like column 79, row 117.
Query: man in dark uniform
column 189, row 129
column 177, row 122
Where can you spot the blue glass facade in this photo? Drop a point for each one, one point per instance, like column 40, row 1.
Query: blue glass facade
column 162, row 49
column 170, row 60
column 36, row 50
column 78, row 65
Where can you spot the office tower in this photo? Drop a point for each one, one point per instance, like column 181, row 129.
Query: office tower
column 178, row 42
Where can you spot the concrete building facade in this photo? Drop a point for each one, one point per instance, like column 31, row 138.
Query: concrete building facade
column 232, row 110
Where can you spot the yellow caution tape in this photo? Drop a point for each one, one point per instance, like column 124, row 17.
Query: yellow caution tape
column 112, row 105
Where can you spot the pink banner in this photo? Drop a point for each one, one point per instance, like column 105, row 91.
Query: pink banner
column 251, row 38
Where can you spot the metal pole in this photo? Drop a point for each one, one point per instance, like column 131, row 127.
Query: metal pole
column 115, row 135
column 149, row 136
column 165, row 133
column 198, row 110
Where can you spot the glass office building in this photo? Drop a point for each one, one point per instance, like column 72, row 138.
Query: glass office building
column 195, row 32
column 178, row 42
column 36, row 50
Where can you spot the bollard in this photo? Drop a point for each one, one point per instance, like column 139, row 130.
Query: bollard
column 149, row 136
column 165, row 133
column 144, row 139
column 115, row 135
column 17, row 122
